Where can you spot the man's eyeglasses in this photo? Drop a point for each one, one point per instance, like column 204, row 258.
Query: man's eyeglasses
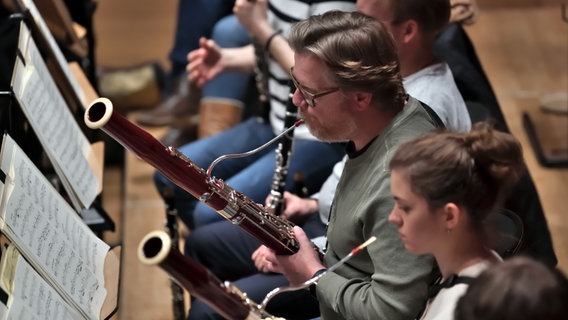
column 309, row 97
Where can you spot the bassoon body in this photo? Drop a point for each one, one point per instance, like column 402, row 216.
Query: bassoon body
column 272, row 231
column 226, row 299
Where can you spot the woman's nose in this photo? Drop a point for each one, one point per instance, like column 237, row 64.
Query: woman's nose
column 393, row 218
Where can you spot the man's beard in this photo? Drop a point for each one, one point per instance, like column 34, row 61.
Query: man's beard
column 328, row 132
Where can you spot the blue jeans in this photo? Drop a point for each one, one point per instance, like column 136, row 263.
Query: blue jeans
column 195, row 19
column 211, row 19
column 229, row 33
column 251, row 175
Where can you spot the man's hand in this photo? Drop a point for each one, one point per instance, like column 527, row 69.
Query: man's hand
column 299, row 267
column 259, row 259
column 296, row 209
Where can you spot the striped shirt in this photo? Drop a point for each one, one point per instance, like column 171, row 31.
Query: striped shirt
column 281, row 15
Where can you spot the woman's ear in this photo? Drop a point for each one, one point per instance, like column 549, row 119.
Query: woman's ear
column 452, row 214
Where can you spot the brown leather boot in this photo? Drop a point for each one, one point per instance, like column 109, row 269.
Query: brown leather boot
column 178, row 136
column 133, row 88
column 179, row 108
column 217, row 115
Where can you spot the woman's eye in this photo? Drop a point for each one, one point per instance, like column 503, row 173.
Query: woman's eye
column 402, row 208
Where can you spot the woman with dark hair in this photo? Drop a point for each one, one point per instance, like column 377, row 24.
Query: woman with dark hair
column 445, row 186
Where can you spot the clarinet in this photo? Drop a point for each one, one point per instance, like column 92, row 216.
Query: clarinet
column 272, row 231
column 178, row 300
column 283, row 152
column 225, row 298
column 261, row 77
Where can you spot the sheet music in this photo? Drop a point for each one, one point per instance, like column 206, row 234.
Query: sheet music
column 49, row 232
column 31, row 297
column 55, row 48
column 64, row 142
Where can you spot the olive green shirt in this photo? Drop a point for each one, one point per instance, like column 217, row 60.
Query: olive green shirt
column 384, row 281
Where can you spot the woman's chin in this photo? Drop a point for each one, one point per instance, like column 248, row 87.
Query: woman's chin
column 412, row 249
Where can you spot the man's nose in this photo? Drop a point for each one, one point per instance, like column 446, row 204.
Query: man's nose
column 297, row 98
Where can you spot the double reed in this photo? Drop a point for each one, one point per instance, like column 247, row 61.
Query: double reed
column 272, row 231
column 226, row 299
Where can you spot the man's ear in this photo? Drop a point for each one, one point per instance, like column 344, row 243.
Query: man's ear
column 409, row 31
column 363, row 99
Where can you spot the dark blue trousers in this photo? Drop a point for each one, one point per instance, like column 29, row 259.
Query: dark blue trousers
column 226, row 250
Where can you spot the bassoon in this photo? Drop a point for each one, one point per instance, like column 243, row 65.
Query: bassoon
column 226, row 299
column 156, row 248
column 272, row 231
